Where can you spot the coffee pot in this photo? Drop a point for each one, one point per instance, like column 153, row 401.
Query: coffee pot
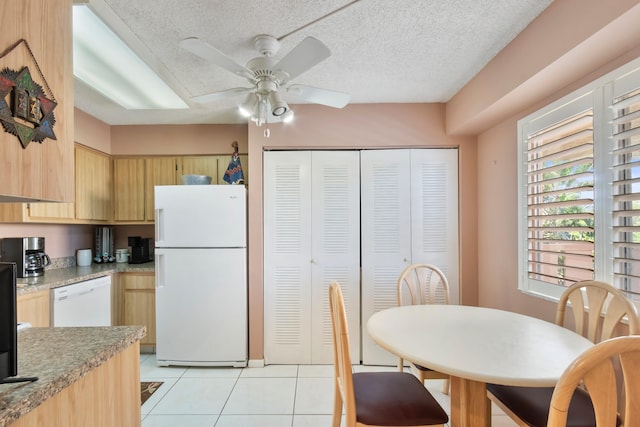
column 28, row 254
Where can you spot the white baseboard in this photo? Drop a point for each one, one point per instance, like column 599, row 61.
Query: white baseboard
column 256, row 363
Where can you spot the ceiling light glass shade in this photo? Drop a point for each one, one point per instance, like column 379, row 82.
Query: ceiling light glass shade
column 102, row 61
column 278, row 106
column 248, row 107
column 287, row 117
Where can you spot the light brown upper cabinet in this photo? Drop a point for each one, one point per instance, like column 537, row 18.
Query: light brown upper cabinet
column 159, row 171
column 41, row 171
column 199, row 165
column 134, row 180
column 213, row 166
column 93, row 182
column 128, row 189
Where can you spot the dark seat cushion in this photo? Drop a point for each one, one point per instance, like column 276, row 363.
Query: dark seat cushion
column 532, row 404
column 394, row 399
column 422, row 368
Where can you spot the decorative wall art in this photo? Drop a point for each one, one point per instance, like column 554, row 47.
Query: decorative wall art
column 25, row 109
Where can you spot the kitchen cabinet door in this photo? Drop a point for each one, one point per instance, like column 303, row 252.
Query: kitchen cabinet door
column 41, row 171
column 93, row 184
column 158, row 171
column 128, row 189
column 47, row 212
column 409, row 214
column 34, row 308
column 140, row 302
column 199, row 165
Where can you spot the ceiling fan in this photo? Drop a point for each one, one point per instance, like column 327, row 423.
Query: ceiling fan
column 268, row 76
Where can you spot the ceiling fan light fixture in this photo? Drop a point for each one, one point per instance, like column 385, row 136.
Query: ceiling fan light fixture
column 248, row 106
column 278, row 106
column 287, row 117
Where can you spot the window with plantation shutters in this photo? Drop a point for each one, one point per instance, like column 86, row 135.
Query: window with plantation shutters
column 579, row 188
column 560, row 201
column 626, row 191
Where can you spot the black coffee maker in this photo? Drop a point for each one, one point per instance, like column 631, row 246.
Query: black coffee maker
column 140, row 250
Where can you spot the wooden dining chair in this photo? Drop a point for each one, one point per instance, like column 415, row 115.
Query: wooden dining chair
column 599, row 312
column 423, row 284
column 375, row 398
column 593, row 375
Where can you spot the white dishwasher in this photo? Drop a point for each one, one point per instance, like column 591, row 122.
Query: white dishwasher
column 85, row 303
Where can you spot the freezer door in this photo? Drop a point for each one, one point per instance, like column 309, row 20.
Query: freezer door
column 201, row 307
column 200, row 216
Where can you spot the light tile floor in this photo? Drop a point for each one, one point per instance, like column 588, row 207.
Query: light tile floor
column 273, row 396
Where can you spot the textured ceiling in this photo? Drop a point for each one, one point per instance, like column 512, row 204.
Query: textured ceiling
column 382, row 51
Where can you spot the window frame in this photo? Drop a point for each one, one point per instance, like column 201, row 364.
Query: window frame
column 598, row 96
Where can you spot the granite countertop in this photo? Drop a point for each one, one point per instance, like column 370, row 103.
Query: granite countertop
column 59, row 357
column 65, row 276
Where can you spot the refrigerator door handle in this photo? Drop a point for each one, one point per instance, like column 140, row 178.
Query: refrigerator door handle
column 160, row 271
column 159, row 219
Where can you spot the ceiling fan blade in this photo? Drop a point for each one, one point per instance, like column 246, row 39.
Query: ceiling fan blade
column 304, row 56
column 206, row 51
column 330, row 98
column 215, row 96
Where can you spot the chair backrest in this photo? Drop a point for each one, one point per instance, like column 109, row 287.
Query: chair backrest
column 594, row 370
column 598, row 308
column 342, row 357
column 426, row 284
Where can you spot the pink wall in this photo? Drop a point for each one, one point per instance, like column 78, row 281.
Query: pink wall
column 91, row 132
column 60, row 240
column 177, row 139
column 497, row 179
column 360, row 126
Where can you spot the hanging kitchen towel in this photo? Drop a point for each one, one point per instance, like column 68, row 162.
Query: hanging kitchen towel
column 233, row 174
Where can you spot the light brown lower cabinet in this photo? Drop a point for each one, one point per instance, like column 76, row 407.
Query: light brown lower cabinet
column 34, row 308
column 139, row 291
column 107, row 396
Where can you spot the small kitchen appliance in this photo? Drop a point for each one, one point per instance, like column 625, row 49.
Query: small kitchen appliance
column 28, row 254
column 140, row 249
column 104, row 245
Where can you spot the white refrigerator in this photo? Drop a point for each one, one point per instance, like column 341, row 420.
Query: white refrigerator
column 201, row 275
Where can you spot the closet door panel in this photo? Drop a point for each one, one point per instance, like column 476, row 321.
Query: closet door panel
column 434, row 212
column 335, row 240
column 287, row 255
column 386, row 237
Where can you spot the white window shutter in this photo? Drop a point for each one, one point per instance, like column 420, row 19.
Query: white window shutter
column 626, row 183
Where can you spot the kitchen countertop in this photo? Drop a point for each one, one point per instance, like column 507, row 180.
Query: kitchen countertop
column 65, row 276
column 59, row 357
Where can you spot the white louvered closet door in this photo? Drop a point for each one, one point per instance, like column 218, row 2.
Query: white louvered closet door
column 287, row 253
column 335, row 241
column 311, row 237
column 409, row 214
column 434, row 213
column 386, row 236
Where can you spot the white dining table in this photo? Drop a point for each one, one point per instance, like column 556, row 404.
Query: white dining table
column 476, row 346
